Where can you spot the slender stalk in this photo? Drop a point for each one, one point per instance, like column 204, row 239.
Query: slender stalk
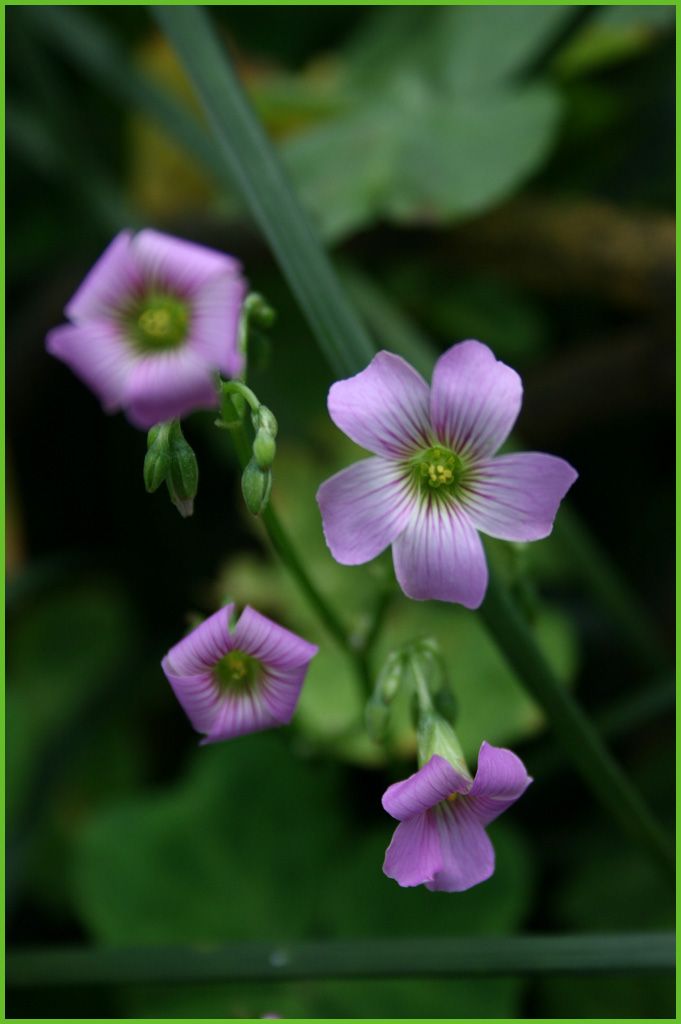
column 255, row 166
column 278, row 536
column 580, row 739
column 470, row 956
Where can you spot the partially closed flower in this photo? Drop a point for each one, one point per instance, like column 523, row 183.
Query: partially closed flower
column 153, row 321
column 434, row 479
column 235, row 681
column 441, row 840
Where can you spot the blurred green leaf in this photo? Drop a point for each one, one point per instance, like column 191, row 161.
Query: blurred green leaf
column 420, row 157
column 62, row 651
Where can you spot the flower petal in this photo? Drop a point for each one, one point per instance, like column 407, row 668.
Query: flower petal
column 98, row 355
column 435, row 781
column 516, row 497
column 279, row 691
column 475, row 399
column 168, row 385
column 176, row 265
column 500, row 780
column 364, row 508
column 215, row 311
column 440, row 556
column 201, row 649
column 413, row 856
column 467, row 853
column 271, row 644
column 108, row 285
column 239, row 714
column 384, row 408
column 199, row 696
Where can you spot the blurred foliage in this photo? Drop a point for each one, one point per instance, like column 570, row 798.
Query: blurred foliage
column 499, row 172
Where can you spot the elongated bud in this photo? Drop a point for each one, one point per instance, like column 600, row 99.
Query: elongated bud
column 435, row 736
column 256, row 486
column 264, row 449
column 378, row 710
column 183, row 472
column 156, row 461
column 265, row 420
column 377, row 720
column 259, row 310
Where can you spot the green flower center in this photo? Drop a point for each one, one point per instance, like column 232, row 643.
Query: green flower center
column 236, row 671
column 160, row 322
column 438, row 469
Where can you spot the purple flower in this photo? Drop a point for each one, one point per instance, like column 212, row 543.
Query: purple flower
column 441, row 840
column 232, row 682
column 433, row 482
column 150, row 325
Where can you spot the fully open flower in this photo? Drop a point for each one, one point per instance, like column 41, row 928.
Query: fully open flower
column 150, row 325
column 433, row 482
column 232, row 682
column 441, row 840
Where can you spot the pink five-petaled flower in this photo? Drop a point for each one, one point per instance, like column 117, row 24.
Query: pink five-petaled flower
column 433, row 482
column 153, row 321
column 441, row 840
column 232, row 682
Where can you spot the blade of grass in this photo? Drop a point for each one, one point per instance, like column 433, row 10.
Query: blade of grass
column 264, row 185
column 645, row 953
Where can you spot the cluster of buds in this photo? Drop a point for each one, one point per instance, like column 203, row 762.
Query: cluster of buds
column 170, row 458
column 256, row 481
column 418, row 665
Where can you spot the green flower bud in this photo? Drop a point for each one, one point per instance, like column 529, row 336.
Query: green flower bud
column 377, row 719
column 183, row 472
column 156, row 462
column 259, row 310
column 446, row 704
column 256, row 486
column 390, row 677
column 435, row 736
column 264, row 448
column 265, row 420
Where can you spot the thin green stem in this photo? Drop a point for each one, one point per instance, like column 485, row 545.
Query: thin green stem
column 470, row 956
column 580, row 739
column 236, row 387
column 284, row 547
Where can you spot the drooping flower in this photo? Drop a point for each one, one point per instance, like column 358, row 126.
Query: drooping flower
column 153, row 321
column 433, row 480
column 441, row 840
column 234, row 681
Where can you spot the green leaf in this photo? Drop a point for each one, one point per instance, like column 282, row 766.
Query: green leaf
column 420, row 157
column 64, row 649
column 482, row 46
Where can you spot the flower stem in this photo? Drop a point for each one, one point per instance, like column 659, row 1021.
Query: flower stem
column 237, row 387
column 580, row 739
column 287, row 552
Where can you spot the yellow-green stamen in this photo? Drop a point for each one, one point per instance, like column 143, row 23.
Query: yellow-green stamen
column 438, row 469
column 236, row 671
column 160, row 322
